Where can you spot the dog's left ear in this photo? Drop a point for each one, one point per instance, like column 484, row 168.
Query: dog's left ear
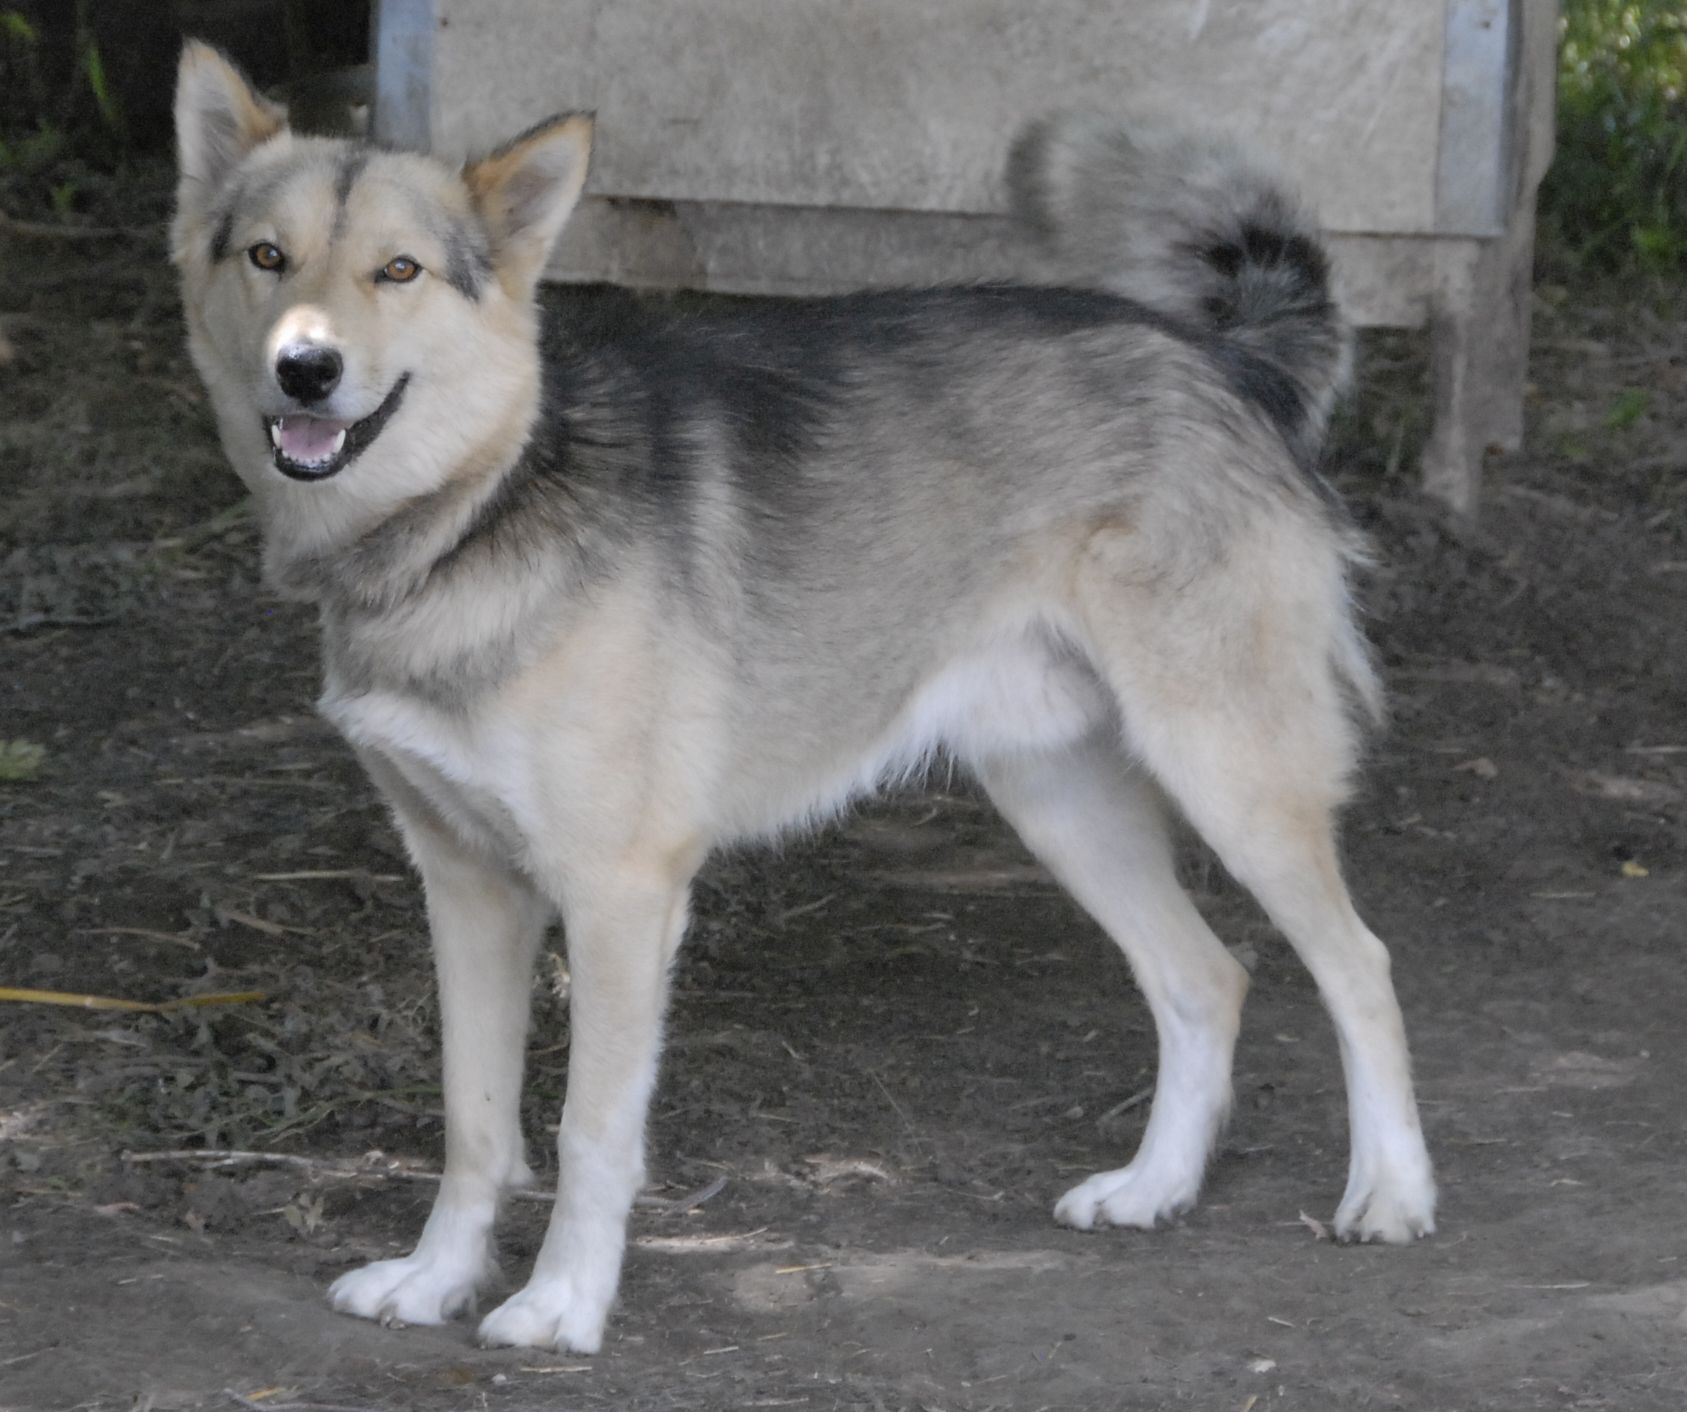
column 525, row 192
column 220, row 117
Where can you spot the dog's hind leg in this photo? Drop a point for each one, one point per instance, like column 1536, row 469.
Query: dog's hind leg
column 1230, row 693
column 1098, row 824
column 1280, row 845
column 486, row 925
column 624, row 922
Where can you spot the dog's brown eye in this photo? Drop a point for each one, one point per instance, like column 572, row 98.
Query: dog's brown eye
column 267, row 257
column 401, row 269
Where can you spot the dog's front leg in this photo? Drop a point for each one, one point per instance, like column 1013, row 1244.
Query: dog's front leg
column 486, row 924
column 623, row 928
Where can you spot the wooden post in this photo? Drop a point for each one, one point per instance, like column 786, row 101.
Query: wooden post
column 1480, row 303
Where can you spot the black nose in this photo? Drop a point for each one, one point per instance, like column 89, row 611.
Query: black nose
column 308, row 373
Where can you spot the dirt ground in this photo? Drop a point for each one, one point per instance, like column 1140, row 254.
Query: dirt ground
column 895, row 1042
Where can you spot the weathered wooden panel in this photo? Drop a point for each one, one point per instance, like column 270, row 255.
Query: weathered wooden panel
column 805, row 250
column 910, row 104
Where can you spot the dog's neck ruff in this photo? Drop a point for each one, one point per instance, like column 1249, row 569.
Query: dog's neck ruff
column 441, row 594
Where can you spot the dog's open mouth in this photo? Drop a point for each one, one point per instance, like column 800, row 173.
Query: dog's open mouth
column 307, row 447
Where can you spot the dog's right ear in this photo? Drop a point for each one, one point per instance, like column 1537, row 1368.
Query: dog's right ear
column 525, row 191
column 220, row 117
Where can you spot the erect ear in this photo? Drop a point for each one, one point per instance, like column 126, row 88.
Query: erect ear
column 220, row 117
column 525, row 192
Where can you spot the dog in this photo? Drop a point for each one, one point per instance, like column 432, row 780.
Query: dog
column 594, row 607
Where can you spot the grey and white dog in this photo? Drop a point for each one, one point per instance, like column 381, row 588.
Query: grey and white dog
column 592, row 608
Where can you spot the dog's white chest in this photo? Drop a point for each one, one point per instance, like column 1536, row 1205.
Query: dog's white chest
column 469, row 771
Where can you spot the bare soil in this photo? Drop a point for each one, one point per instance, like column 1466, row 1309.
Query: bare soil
column 896, row 1041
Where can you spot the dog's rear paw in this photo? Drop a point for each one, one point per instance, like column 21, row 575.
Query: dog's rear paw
column 1130, row 1196
column 413, row 1290
column 1396, row 1209
column 547, row 1314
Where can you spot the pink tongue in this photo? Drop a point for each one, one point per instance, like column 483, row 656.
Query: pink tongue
column 309, row 438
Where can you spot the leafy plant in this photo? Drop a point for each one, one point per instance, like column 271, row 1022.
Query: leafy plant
column 1616, row 196
column 57, row 118
column 20, row 760
column 1631, row 405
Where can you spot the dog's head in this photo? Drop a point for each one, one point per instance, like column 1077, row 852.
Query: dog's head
column 362, row 318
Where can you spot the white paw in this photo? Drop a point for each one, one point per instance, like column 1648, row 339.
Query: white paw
column 1396, row 1208
column 548, row 1314
column 414, row 1290
column 1130, row 1196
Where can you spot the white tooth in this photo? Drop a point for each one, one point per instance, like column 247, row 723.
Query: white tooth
column 339, row 446
column 275, row 434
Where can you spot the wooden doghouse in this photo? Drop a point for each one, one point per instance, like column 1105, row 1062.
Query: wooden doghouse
column 808, row 146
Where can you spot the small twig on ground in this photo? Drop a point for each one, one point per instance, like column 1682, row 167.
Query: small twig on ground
column 173, row 938
column 791, row 913
column 260, row 924
column 376, row 1167
column 890, row 1098
column 1124, row 1106
column 328, row 875
column 253, row 1405
column 47, row 230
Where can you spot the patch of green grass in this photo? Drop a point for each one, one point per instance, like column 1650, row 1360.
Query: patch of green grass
column 1616, row 197
column 20, row 760
column 1631, row 405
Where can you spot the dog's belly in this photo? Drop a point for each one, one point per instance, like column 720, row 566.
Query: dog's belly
column 1022, row 693
column 499, row 778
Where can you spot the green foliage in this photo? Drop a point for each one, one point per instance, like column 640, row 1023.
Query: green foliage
column 55, row 123
column 20, row 760
column 1631, row 405
column 94, row 67
column 1616, row 196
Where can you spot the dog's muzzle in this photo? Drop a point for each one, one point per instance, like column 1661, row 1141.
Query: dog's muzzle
column 308, row 447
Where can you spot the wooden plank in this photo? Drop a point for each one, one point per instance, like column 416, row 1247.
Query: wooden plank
column 739, row 249
column 910, row 104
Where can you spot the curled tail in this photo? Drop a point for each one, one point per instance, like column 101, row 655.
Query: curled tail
column 1188, row 226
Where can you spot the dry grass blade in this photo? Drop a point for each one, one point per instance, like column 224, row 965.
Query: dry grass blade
column 146, row 932
column 328, row 875
column 111, row 1002
column 254, row 1405
column 258, row 924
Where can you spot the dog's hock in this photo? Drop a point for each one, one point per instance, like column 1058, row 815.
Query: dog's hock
column 220, row 117
column 527, row 189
